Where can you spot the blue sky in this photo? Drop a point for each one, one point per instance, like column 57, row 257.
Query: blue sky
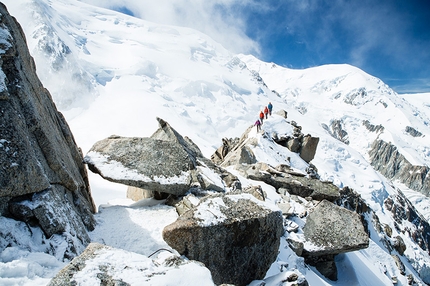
column 389, row 39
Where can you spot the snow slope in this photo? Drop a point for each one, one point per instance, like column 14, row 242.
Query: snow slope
column 110, row 73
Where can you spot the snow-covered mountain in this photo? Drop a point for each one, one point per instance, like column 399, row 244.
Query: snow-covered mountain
column 110, row 73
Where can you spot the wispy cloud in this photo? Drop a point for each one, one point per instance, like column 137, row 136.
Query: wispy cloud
column 217, row 18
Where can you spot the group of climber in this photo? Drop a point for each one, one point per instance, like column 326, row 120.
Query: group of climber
column 263, row 115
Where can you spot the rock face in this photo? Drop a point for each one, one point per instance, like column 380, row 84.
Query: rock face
column 385, row 158
column 42, row 177
column 235, row 236
column 165, row 163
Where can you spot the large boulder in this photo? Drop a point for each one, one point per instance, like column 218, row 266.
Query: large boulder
column 331, row 230
column 39, row 157
column 236, row 236
column 334, row 230
column 166, row 162
column 145, row 163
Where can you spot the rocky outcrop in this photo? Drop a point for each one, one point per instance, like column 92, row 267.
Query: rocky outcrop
column 386, row 159
column 227, row 145
column 238, row 151
column 235, row 236
column 407, row 221
column 297, row 142
column 165, row 163
column 42, row 177
column 336, row 131
column 413, row 132
column 373, row 128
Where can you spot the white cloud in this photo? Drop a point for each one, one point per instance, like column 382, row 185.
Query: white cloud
column 216, row 18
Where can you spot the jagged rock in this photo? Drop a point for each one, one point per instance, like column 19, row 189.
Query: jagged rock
column 309, row 148
column 409, row 221
column 385, row 158
column 337, row 131
column 413, row 132
column 351, row 200
column 221, row 152
column 38, row 154
column 373, row 128
column 165, row 163
column 235, row 236
column 238, row 151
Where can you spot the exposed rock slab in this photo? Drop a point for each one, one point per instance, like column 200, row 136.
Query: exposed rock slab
column 295, row 184
column 235, row 236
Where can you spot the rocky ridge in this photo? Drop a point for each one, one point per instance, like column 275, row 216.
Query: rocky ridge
column 233, row 210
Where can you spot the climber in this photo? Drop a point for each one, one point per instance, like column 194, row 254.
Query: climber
column 266, row 112
column 270, row 107
column 261, row 116
column 258, row 124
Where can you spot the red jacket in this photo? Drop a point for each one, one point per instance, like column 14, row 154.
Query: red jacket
column 261, row 114
column 266, row 110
